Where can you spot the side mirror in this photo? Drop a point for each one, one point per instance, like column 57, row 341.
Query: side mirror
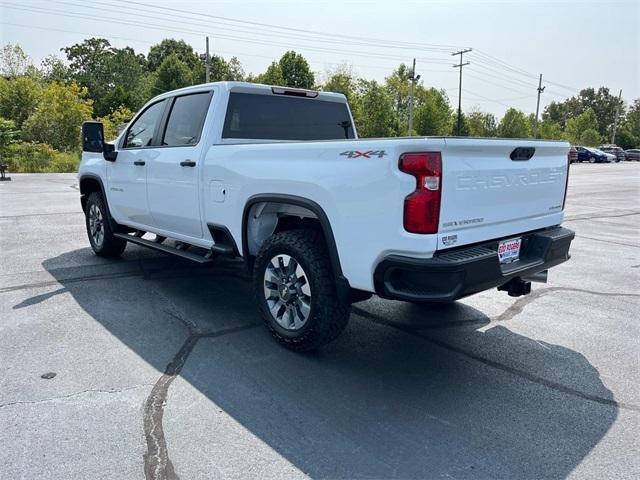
column 110, row 153
column 92, row 137
column 93, row 141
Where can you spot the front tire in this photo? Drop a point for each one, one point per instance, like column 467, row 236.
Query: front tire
column 295, row 289
column 101, row 237
column 592, row 160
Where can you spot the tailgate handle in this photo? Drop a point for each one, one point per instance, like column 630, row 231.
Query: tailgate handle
column 522, row 154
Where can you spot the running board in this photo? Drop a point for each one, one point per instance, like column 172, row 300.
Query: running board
column 173, row 251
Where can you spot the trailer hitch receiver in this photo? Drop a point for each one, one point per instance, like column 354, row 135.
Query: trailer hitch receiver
column 516, row 287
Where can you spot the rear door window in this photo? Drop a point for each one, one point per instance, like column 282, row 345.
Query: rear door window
column 271, row 117
column 186, row 120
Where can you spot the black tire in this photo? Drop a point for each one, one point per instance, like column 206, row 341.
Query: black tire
column 592, row 160
column 328, row 316
column 106, row 245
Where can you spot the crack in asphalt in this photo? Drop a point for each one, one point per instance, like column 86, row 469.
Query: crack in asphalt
column 157, row 464
column 518, row 306
column 575, row 218
column 515, row 309
column 75, row 394
column 609, row 241
column 147, row 274
column 39, row 214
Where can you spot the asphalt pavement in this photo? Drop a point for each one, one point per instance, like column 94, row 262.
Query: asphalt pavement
column 151, row 367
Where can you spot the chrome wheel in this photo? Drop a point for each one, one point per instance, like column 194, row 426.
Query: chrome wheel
column 96, row 225
column 287, row 292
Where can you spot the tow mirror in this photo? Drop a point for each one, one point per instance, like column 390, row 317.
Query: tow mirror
column 93, row 141
column 92, row 137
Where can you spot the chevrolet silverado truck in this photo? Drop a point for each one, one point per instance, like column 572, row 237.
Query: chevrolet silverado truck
column 323, row 219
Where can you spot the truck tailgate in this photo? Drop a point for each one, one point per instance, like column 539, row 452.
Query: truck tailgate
column 486, row 194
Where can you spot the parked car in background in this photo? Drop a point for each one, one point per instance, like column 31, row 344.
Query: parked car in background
column 614, row 150
column 591, row 155
column 573, row 154
column 633, row 154
column 610, row 157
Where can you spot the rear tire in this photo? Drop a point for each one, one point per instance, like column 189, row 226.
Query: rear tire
column 101, row 237
column 592, row 160
column 295, row 289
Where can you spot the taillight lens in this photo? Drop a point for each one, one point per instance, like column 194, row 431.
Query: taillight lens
column 566, row 182
column 422, row 207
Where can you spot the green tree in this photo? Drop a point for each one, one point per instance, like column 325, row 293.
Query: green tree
column 13, row 61
column 465, row 130
column 482, row 124
column 600, row 101
column 296, row 71
column 53, row 69
column 60, row 114
column 514, row 124
column 432, row 113
column 590, row 137
column 19, row 98
column 169, row 46
column 235, row 72
column 550, row 130
column 374, row 112
column 342, row 80
column 628, row 135
column 110, row 75
column 171, row 74
column 118, row 118
column 580, row 124
column 8, row 134
column 398, row 86
column 272, row 76
column 89, row 65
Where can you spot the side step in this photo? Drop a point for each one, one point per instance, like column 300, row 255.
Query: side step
column 170, row 250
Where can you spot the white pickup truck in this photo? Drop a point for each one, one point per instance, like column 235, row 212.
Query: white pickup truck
column 278, row 177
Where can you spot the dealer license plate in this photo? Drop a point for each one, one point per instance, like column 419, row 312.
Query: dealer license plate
column 509, row 250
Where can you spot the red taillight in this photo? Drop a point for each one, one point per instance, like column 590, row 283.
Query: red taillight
column 566, row 182
column 422, row 207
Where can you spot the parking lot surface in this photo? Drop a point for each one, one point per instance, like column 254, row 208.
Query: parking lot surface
column 155, row 368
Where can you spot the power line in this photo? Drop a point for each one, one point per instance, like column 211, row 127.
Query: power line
column 228, row 52
column 442, row 47
column 200, row 33
column 251, row 31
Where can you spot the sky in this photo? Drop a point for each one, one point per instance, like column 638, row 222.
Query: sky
column 574, row 44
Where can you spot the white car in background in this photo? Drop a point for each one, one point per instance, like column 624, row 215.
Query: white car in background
column 610, row 157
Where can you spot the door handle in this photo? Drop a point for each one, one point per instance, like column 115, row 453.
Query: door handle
column 139, row 162
column 187, row 163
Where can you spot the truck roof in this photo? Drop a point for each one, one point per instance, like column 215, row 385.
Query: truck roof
column 259, row 89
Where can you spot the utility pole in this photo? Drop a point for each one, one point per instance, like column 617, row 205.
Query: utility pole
column 615, row 123
column 414, row 80
column 206, row 63
column 535, row 123
column 460, row 65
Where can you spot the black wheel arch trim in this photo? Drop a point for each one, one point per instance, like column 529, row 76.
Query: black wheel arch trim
column 90, row 176
column 342, row 283
column 222, row 236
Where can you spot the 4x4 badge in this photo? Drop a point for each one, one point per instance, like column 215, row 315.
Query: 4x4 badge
column 367, row 154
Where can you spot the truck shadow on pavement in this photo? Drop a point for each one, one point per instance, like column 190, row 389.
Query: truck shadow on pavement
column 406, row 392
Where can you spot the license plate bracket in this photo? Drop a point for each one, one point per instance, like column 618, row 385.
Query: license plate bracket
column 509, row 250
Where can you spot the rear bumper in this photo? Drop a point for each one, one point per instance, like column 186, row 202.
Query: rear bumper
column 460, row 272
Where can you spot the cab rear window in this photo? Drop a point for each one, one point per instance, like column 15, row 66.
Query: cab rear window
column 270, row 117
